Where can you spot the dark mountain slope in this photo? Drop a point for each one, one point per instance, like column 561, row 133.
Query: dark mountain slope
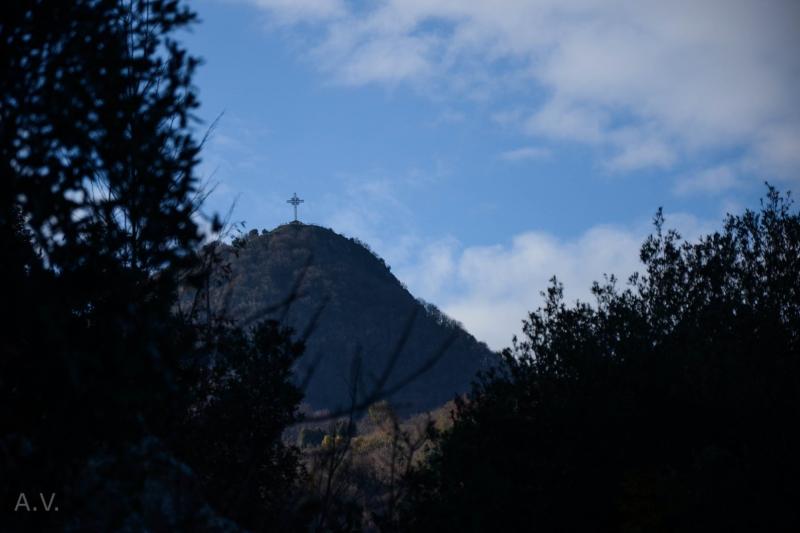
column 368, row 325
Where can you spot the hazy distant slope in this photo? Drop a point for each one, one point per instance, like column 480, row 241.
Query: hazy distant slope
column 366, row 311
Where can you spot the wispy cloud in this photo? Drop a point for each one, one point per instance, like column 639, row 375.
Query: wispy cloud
column 233, row 149
column 650, row 83
column 449, row 116
column 714, row 180
column 525, row 153
column 376, row 207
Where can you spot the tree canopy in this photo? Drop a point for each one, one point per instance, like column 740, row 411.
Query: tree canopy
column 101, row 380
column 671, row 404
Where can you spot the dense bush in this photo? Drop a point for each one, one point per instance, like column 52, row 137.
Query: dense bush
column 231, row 436
column 671, row 405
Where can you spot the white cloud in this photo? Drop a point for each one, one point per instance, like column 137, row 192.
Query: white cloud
column 635, row 152
column 525, row 153
column 387, row 59
column 650, row 83
column 567, row 120
column 714, row 180
column 502, row 283
column 433, row 268
column 490, row 289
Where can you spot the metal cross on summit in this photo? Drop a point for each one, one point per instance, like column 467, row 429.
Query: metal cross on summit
column 295, row 201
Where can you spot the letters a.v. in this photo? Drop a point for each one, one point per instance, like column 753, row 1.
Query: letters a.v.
column 47, row 505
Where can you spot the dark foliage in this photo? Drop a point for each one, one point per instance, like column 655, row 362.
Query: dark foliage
column 671, row 405
column 240, row 406
column 96, row 172
column 98, row 202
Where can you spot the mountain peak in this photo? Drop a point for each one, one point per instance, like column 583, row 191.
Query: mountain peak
column 365, row 329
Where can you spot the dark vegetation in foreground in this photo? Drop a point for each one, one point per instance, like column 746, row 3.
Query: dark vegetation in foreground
column 671, row 404
column 134, row 416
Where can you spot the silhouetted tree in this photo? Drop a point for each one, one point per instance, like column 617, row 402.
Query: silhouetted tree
column 98, row 209
column 97, row 158
column 241, row 403
column 671, row 405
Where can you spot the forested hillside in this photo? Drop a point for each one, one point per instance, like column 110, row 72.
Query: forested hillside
column 365, row 334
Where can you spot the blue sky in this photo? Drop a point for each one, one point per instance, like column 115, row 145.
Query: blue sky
column 481, row 147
